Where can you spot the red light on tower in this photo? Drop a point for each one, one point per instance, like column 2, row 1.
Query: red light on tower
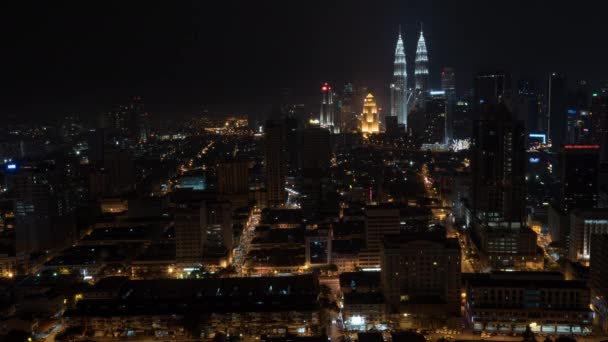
column 324, row 88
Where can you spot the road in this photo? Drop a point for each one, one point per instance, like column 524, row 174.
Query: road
column 240, row 252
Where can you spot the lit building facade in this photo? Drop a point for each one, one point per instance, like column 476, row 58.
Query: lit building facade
column 399, row 100
column 326, row 117
column 421, row 73
column 370, row 122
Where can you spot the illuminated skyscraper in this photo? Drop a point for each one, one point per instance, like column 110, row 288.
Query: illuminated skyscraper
column 399, row 86
column 422, row 68
column 326, row 117
column 369, row 118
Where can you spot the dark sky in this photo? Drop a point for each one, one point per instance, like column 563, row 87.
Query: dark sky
column 84, row 56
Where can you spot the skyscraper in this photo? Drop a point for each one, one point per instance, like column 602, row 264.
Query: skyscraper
column 498, row 167
column 448, row 85
column 579, row 177
column 498, row 196
column 274, row 156
column 326, row 117
column 399, row 101
column 369, row 118
column 435, row 131
column 557, row 109
column 233, row 177
column 490, row 88
column 448, row 81
column 422, row 69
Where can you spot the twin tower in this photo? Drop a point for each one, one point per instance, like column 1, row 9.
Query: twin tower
column 403, row 97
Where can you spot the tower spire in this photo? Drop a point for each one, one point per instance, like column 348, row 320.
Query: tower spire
column 421, row 65
column 399, row 85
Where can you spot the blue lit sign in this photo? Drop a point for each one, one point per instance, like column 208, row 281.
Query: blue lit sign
column 11, row 166
column 534, row 160
column 571, row 111
column 539, row 135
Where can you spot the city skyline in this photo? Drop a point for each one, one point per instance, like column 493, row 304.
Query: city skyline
column 80, row 63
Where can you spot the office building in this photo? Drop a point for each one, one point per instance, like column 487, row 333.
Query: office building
column 421, row 275
column 599, row 130
column 462, row 120
column 498, row 192
column 498, row 166
column 275, row 163
column 349, row 120
column 203, row 233
column 585, row 225
column 491, row 88
column 399, row 91
column 579, row 176
column 380, row 221
column 42, row 219
column 448, row 85
column 598, row 279
column 508, row 302
column 436, row 122
column 315, row 148
column 189, row 234
column 370, row 121
column 557, row 109
column 233, row 177
column 527, row 105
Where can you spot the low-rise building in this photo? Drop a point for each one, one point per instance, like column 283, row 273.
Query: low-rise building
column 165, row 307
column 508, row 302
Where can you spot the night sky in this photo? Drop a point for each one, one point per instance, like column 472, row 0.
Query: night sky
column 180, row 56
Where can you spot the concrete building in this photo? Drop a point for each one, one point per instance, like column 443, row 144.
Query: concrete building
column 508, row 302
column 421, row 278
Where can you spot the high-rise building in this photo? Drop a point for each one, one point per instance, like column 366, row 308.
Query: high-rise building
column 274, row 157
column 399, row 93
column 490, row 89
column 419, row 269
column 42, row 216
column 380, row 221
column 421, row 72
column 436, row 124
column 598, row 278
column 202, row 230
column 462, row 120
column 233, row 177
column 370, row 122
column 585, row 225
column 349, row 120
column 498, row 165
column 557, row 109
column 579, row 177
column 326, row 117
column 526, row 105
column 498, row 195
column 448, row 80
column 599, row 130
column 315, row 148
column 189, row 233
column 448, row 85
